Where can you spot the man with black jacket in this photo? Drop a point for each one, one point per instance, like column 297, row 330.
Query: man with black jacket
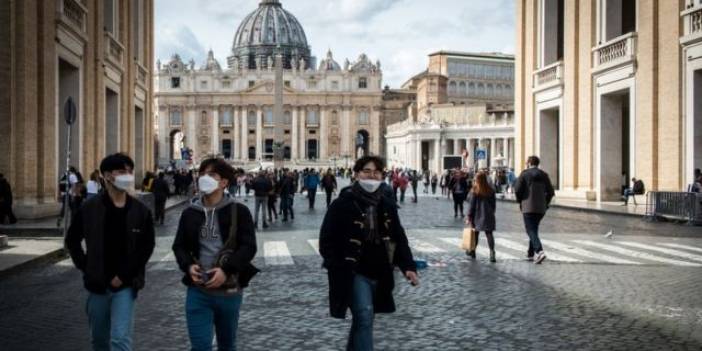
column 534, row 192
column 287, row 192
column 261, row 186
column 361, row 241
column 6, row 201
column 214, row 246
column 160, row 190
column 119, row 237
column 329, row 185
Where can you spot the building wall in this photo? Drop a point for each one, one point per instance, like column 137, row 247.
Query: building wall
column 656, row 88
column 37, row 35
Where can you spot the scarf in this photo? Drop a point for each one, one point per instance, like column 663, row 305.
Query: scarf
column 369, row 205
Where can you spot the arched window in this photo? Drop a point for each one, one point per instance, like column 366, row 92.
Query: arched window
column 500, row 91
column 490, row 90
column 287, row 118
column 471, row 89
column 481, row 89
column 334, row 118
column 203, row 118
column 462, row 88
column 452, row 88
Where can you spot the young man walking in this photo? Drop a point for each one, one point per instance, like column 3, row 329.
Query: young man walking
column 159, row 188
column 311, row 184
column 534, row 192
column 361, row 241
column 329, row 185
column 214, row 245
column 261, row 187
column 119, row 238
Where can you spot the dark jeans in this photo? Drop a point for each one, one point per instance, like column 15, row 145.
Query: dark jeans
column 287, row 202
column 160, row 211
column 329, row 195
column 204, row 311
column 402, row 194
column 271, row 207
column 414, row 192
column 6, row 211
column 433, row 189
column 311, row 195
column 361, row 335
column 531, row 222
column 627, row 193
column 458, row 199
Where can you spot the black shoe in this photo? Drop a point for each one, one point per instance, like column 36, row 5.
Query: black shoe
column 285, row 219
column 470, row 254
column 265, row 225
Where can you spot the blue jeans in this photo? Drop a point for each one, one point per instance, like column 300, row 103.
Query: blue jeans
column 110, row 317
column 361, row 335
column 203, row 311
column 531, row 222
column 627, row 193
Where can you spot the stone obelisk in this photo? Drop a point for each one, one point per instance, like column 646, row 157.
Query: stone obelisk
column 278, row 141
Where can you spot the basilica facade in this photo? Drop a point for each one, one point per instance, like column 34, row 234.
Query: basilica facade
column 331, row 112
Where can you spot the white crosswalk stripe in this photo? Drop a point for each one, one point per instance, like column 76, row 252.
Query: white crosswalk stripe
column 423, row 246
column 315, row 245
column 680, row 246
column 636, row 254
column 276, row 253
column 481, row 250
column 523, row 248
column 585, row 253
column 670, row 252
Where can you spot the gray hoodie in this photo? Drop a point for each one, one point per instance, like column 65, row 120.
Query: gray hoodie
column 210, row 233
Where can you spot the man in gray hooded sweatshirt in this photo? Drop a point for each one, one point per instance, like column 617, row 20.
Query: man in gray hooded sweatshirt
column 216, row 268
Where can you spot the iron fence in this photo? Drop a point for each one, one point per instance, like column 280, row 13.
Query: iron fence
column 682, row 206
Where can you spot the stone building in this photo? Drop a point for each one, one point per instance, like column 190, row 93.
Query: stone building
column 608, row 89
column 462, row 102
column 331, row 111
column 97, row 52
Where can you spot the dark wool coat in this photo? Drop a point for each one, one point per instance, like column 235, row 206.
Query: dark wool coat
column 481, row 212
column 340, row 240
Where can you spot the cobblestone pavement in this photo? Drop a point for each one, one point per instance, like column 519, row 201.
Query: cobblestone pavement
column 639, row 290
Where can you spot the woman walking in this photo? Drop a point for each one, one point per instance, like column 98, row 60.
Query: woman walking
column 434, row 182
column 481, row 212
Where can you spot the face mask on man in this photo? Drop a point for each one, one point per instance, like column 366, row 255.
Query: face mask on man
column 207, row 184
column 124, row 182
column 370, row 185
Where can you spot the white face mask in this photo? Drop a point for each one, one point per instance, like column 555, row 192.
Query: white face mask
column 207, row 184
column 124, row 182
column 370, row 185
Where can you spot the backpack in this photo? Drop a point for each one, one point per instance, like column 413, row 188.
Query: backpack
column 639, row 188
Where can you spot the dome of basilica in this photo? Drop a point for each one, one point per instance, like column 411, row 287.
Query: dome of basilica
column 266, row 31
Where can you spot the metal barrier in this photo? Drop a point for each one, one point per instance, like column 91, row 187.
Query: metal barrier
column 676, row 205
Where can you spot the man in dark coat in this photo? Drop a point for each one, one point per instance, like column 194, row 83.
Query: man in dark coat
column 329, row 185
column 534, row 192
column 361, row 241
column 160, row 190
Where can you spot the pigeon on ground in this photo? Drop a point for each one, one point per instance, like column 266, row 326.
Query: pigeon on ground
column 609, row 235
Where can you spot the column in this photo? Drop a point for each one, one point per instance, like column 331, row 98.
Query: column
column 375, row 137
column 295, row 134
column 215, row 130
column 244, row 133
column 303, row 123
column 191, row 138
column 237, row 133
column 259, row 133
column 493, row 149
column 323, row 134
column 456, row 147
column 505, row 151
column 418, row 158
column 437, row 155
column 346, row 133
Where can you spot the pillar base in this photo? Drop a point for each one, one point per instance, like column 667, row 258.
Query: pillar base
column 36, row 211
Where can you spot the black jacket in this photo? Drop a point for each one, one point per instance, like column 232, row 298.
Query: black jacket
column 186, row 246
column 261, row 186
column 533, row 191
column 88, row 225
column 160, row 189
column 340, row 241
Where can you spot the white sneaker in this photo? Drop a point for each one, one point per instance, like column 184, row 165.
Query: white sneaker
column 540, row 257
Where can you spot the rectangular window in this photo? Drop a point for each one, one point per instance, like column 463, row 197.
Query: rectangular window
column 312, row 84
column 203, row 84
column 287, row 131
column 362, row 83
column 269, row 146
column 313, row 132
column 226, row 118
column 287, row 83
column 175, row 118
column 175, row 82
column 551, row 32
column 363, row 117
column 226, row 84
column 268, row 116
column 312, row 117
column 252, row 131
column 335, row 85
column 138, row 30
column 252, row 83
column 111, row 16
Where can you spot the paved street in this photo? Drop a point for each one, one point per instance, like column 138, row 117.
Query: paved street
column 639, row 290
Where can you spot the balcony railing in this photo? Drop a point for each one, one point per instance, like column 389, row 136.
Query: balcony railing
column 73, row 14
column 618, row 51
column 692, row 18
column 549, row 76
column 114, row 51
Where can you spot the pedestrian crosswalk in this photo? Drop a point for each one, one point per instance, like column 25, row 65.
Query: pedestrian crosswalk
column 435, row 246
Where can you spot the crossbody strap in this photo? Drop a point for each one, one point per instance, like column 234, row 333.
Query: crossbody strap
column 231, row 241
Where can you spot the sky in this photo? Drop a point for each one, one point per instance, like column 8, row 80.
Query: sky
column 399, row 33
